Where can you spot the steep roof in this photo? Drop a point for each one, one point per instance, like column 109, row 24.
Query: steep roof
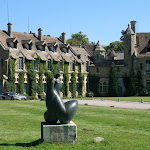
column 24, row 38
column 142, row 41
column 129, row 30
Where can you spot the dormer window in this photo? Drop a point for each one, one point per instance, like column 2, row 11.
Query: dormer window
column 40, row 45
column 27, row 44
column 148, row 49
column 52, row 46
column 64, row 48
column 55, row 49
column 12, row 42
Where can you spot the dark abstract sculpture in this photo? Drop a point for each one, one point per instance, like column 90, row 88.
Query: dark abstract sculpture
column 56, row 108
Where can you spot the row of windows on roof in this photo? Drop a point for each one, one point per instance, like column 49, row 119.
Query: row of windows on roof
column 39, row 47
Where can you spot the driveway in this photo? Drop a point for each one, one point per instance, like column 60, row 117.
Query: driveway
column 121, row 104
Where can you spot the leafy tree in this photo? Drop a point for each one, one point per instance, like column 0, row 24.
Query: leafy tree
column 139, row 84
column 47, row 35
column 116, row 46
column 40, row 85
column 31, row 78
column 55, row 67
column 132, row 87
column 11, row 76
column 92, row 43
column 113, row 85
column 21, row 82
column 122, row 37
column 80, row 81
column 65, row 80
column 73, row 84
column 126, row 81
column 94, row 84
column 130, row 84
column 78, row 38
column 73, row 42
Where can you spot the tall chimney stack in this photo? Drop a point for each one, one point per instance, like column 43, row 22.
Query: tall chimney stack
column 40, row 34
column 9, row 29
column 64, row 37
column 133, row 25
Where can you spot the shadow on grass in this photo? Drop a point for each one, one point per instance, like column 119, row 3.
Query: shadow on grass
column 34, row 143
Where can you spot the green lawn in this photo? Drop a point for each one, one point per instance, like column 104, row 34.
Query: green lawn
column 133, row 99
column 122, row 129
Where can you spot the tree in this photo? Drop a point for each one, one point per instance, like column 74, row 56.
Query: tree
column 73, row 84
column 113, row 85
column 116, row 46
column 94, row 84
column 122, row 37
column 11, row 76
column 130, row 84
column 21, row 82
column 139, row 84
column 78, row 38
column 132, row 87
column 65, row 80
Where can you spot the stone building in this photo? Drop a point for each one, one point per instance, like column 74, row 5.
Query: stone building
column 136, row 56
column 23, row 46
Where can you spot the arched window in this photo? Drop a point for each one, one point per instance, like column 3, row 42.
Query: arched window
column 103, row 87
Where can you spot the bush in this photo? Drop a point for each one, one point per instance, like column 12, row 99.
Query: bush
column 94, row 84
column 90, row 94
column 31, row 97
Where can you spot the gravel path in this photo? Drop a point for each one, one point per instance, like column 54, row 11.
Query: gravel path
column 121, row 104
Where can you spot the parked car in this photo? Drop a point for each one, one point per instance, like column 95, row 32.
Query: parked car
column 12, row 96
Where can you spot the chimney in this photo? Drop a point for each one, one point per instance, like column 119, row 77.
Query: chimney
column 133, row 25
column 40, row 34
column 64, row 37
column 9, row 29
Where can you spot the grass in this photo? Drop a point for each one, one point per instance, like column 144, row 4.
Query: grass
column 122, row 129
column 132, row 99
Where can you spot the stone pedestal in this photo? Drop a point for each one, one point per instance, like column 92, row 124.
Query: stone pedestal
column 58, row 133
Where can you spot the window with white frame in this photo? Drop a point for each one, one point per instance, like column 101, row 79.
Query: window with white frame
column 103, row 87
column 21, row 63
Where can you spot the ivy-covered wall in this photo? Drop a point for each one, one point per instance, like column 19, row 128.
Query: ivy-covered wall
column 42, row 69
column 31, row 74
column 55, row 67
column 21, row 82
column 94, row 84
column 80, row 81
column 73, row 84
column 10, row 83
column 65, row 80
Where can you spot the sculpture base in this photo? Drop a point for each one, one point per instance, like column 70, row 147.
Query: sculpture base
column 58, row 133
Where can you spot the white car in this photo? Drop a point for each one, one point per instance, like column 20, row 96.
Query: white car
column 12, row 96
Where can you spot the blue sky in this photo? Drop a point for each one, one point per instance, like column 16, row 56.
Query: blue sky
column 101, row 20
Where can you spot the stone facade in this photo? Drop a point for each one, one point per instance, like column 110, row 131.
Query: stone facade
column 136, row 56
column 23, row 46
